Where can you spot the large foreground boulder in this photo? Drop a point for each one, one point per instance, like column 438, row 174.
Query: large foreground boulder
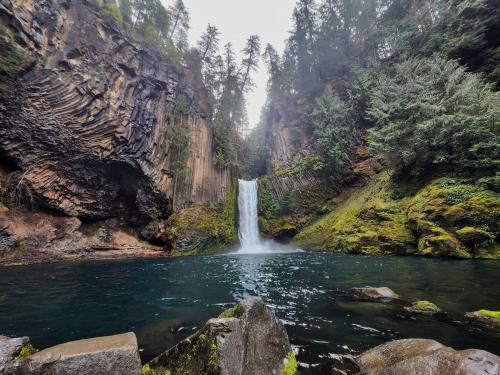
column 247, row 339
column 111, row 355
column 425, row 357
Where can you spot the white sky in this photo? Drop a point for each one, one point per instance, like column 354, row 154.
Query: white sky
column 236, row 21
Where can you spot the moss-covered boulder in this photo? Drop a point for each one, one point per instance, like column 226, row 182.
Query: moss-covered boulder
column 247, row 339
column 369, row 221
column 204, row 228
column 447, row 217
column 423, row 307
column 456, row 219
column 487, row 318
column 422, row 356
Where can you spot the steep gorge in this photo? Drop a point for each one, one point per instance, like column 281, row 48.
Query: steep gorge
column 84, row 119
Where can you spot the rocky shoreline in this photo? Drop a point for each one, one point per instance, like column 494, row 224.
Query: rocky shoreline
column 247, row 339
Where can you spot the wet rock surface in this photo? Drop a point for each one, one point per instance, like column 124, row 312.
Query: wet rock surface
column 423, row 307
column 10, row 348
column 375, row 294
column 111, row 355
column 246, row 339
column 487, row 318
column 425, row 357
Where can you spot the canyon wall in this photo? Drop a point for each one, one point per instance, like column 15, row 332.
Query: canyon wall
column 83, row 118
column 86, row 122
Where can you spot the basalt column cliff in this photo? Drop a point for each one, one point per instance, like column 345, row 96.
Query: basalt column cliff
column 84, row 140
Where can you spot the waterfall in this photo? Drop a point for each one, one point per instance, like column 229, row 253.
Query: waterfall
column 248, row 232
column 249, row 227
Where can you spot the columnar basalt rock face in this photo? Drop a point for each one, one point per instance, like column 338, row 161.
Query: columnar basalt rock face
column 85, row 123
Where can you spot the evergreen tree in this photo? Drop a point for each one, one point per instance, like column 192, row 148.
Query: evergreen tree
column 432, row 114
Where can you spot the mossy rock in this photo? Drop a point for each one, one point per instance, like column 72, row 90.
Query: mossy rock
column 203, row 228
column 454, row 218
column 445, row 218
column 246, row 339
column 291, row 365
column 484, row 317
column 423, row 307
column 369, row 221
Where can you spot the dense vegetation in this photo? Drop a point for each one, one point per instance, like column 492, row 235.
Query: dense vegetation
column 413, row 79
column 217, row 75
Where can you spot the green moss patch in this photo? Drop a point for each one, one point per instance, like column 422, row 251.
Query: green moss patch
column 26, row 351
column 369, row 221
column 455, row 218
column 490, row 314
column 196, row 355
column 447, row 217
column 233, row 312
column 204, row 229
column 12, row 57
column 291, row 365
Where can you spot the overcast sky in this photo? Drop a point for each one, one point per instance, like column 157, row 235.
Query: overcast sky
column 237, row 20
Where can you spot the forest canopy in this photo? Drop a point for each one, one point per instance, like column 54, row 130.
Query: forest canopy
column 216, row 71
column 415, row 79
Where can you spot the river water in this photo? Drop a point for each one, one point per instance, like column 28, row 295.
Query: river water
column 164, row 300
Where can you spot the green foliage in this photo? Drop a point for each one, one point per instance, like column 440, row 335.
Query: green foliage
column 268, row 207
column 287, row 203
column 333, row 130
column 216, row 225
column 298, row 167
column 431, row 113
column 114, row 12
column 179, row 140
column 12, row 58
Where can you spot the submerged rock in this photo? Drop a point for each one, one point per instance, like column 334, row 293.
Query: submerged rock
column 425, row 357
column 111, row 355
column 376, row 294
column 485, row 317
column 247, row 339
column 423, row 307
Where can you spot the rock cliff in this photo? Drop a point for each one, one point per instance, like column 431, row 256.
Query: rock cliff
column 84, row 110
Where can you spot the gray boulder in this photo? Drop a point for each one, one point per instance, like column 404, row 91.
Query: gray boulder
column 425, row 357
column 10, row 348
column 375, row 294
column 110, row 355
column 485, row 318
column 424, row 307
column 247, row 339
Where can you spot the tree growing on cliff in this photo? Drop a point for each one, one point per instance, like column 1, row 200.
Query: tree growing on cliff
column 334, row 124
column 433, row 114
column 179, row 24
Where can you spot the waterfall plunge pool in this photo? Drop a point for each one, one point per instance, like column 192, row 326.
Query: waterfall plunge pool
column 165, row 300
